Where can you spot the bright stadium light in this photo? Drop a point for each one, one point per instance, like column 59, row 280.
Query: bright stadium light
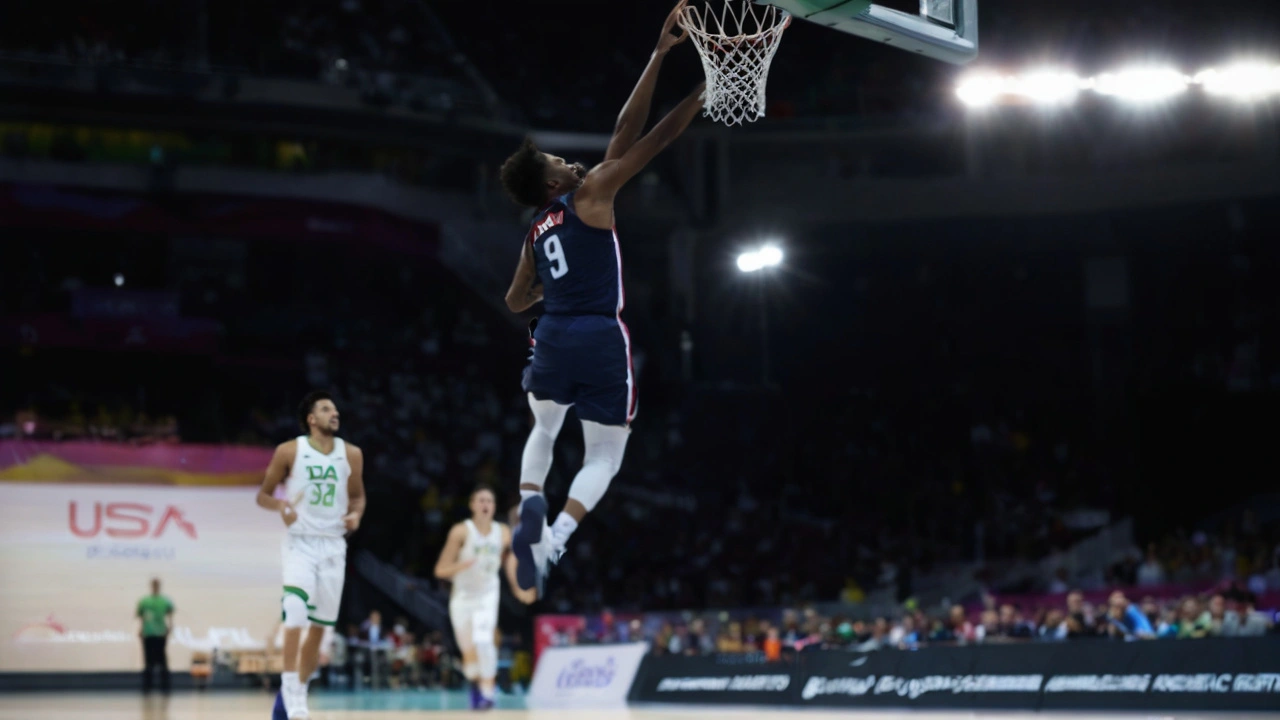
column 1049, row 87
column 768, row 256
column 1142, row 84
column 1242, row 81
column 981, row 90
column 750, row 262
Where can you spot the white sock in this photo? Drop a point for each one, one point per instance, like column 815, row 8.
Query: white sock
column 289, row 692
column 563, row 528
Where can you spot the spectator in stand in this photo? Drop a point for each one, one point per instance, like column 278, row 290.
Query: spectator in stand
column 1168, row 626
column 1012, row 624
column 1189, row 621
column 680, row 644
column 371, row 629
column 1215, row 615
column 1054, row 620
column 772, row 645
column 1078, row 619
column 433, row 661
column 730, row 640
column 1151, row 610
column 1247, row 621
column 700, row 643
column 989, row 630
column 941, row 632
column 1126, row 620
column 908, row 637
column 963, row 631
column 877, row 638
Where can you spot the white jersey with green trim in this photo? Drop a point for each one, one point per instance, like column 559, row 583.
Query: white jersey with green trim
column 479, row 581
column 317, row 488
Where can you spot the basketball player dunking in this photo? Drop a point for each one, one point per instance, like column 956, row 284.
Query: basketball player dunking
column 324, row 500
column 470, row 560
column 581, row 349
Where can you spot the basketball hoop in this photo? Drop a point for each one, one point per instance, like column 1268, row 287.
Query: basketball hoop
column 736, row 46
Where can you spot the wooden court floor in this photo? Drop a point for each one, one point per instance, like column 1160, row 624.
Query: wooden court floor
column 400, row 706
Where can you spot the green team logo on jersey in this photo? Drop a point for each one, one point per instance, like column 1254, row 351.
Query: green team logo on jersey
column 322, row 472
column 322, row 492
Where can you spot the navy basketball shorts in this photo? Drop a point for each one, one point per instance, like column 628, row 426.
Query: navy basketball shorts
column 584, row 361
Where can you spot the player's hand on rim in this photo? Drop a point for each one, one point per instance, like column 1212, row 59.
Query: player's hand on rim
column 667, row 40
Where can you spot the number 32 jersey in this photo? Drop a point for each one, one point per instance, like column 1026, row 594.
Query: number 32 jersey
column 579, row 266
column 317, row 487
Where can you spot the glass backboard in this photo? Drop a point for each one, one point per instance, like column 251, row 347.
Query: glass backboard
column 944, row 30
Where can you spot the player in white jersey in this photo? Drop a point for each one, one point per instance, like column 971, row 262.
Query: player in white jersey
column 471, row 559
column 323, row 501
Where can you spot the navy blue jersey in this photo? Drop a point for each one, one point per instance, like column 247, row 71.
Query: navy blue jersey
column 579, row 266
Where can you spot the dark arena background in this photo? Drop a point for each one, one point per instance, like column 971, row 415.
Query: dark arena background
column 958, row 380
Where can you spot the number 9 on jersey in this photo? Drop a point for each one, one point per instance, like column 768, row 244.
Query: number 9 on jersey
column 555, row 254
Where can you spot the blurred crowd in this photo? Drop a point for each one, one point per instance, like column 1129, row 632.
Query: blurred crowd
column 1249, row 556
column 118, row 423
column 1118, row 616
column 400, row 655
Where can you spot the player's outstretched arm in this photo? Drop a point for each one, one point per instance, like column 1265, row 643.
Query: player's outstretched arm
column 605, row 179
column 635, row 113
column 447, row 565
column 524, row 292
column 355, row 489
column 277, row 470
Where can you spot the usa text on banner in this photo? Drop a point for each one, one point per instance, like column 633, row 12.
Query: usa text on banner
column 75, row 559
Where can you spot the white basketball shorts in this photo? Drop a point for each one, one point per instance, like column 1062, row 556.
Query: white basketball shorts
column 475, row 619
column 315, row 568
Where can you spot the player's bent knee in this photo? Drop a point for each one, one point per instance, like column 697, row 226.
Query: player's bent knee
column 548, row 416
column 295, row 611
column 488, row 660
column 606, row 444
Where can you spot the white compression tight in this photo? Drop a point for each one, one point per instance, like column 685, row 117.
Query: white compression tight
column 604, row 448
column 548, row 418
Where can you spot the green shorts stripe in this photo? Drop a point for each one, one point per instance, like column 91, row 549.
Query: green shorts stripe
column 297, row 591
column 326, row 623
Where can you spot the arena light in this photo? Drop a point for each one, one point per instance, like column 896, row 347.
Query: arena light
column 768, row 256
column 750, row 262
column 771, row 255
column 981, row 90
column 1242, row 81
column 1049, row 87
column 1143, row 84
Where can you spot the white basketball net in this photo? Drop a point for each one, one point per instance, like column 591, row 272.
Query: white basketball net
column 736, row 46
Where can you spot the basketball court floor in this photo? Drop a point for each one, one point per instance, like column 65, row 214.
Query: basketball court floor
column 438, row 706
